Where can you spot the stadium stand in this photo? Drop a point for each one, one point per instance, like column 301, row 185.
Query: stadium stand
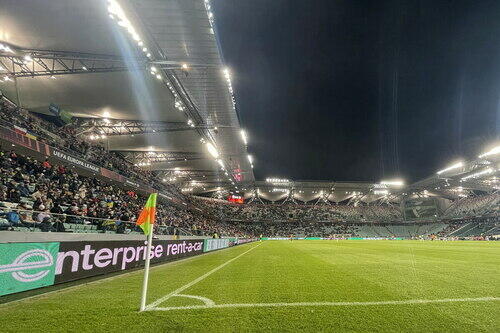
column 64, row 138
column 473, row 206
column 270, row 212
column 36, row 195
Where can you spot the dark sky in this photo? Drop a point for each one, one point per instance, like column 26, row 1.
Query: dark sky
column 362, row 90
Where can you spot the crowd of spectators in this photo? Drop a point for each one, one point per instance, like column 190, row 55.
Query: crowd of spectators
column 473, row 206
column 67, row 140
column 290, row 212
column 37, row 194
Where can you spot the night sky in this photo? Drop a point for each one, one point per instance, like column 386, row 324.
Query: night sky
column 362, row 90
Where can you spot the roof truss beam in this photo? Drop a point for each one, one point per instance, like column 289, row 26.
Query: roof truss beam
column 116, row 127
column 35, row 63
column 137, row 157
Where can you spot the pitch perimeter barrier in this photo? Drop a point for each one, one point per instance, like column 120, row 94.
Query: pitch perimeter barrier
column 26, row 266
column 215, row 244
column 332, row 238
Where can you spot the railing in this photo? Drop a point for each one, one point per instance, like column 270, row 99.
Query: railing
column 43, row 221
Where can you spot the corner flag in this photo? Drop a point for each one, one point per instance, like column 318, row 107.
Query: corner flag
column 146, row 221
column 147, row 217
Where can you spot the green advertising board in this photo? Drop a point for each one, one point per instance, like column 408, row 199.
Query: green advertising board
column 215, row 244
column 25, row 266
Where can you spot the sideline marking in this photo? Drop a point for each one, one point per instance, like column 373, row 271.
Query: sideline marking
column 192, row 283
column 262, row 305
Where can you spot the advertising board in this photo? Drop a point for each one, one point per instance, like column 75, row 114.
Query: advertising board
column 215, row 244
column 25, row 266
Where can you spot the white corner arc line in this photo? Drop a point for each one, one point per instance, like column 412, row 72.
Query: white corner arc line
column 297, row 304
column 195, row 281
column 208, row 302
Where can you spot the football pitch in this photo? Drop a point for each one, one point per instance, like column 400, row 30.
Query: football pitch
column 288, row 286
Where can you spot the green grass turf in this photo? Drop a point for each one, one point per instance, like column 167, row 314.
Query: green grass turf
column 284, row 271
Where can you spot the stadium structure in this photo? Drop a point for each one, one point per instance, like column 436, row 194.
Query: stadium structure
column 106, row 102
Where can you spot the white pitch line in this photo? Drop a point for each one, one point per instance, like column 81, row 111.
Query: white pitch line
column 207, row 301
column 262, row 305
column 184, row 287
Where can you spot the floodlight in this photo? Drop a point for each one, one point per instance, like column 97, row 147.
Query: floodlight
column 392, row 182
column 494, row 151
column 212, row 150
column 451, row 167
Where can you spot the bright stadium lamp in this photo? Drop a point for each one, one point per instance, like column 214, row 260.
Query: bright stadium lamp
column 244, row 136
column 392, row 182
column 212, row 150
column 451, row 167
column 382, row 192
column 478, row 174
column 494, row 151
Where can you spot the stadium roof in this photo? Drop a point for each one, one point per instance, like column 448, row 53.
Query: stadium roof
column 456, row 180
column 118, row 64
column 146, row 78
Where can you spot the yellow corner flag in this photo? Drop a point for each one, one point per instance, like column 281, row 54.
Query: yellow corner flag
column 147, row 217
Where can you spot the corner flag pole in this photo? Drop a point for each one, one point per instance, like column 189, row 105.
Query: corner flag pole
column 146, row 221
column 146, row 273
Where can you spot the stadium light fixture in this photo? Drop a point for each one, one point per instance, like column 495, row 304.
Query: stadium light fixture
column 227, row 75
column 383, row 192
column 392, row 182
column 6, row 48
column 116, row 11
column 494, row 151
column 250, row 159
column 277, row 180
column 244, row 137
column 478, row 174
column 212, row 150
column 221, row 163
column 451, row 167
